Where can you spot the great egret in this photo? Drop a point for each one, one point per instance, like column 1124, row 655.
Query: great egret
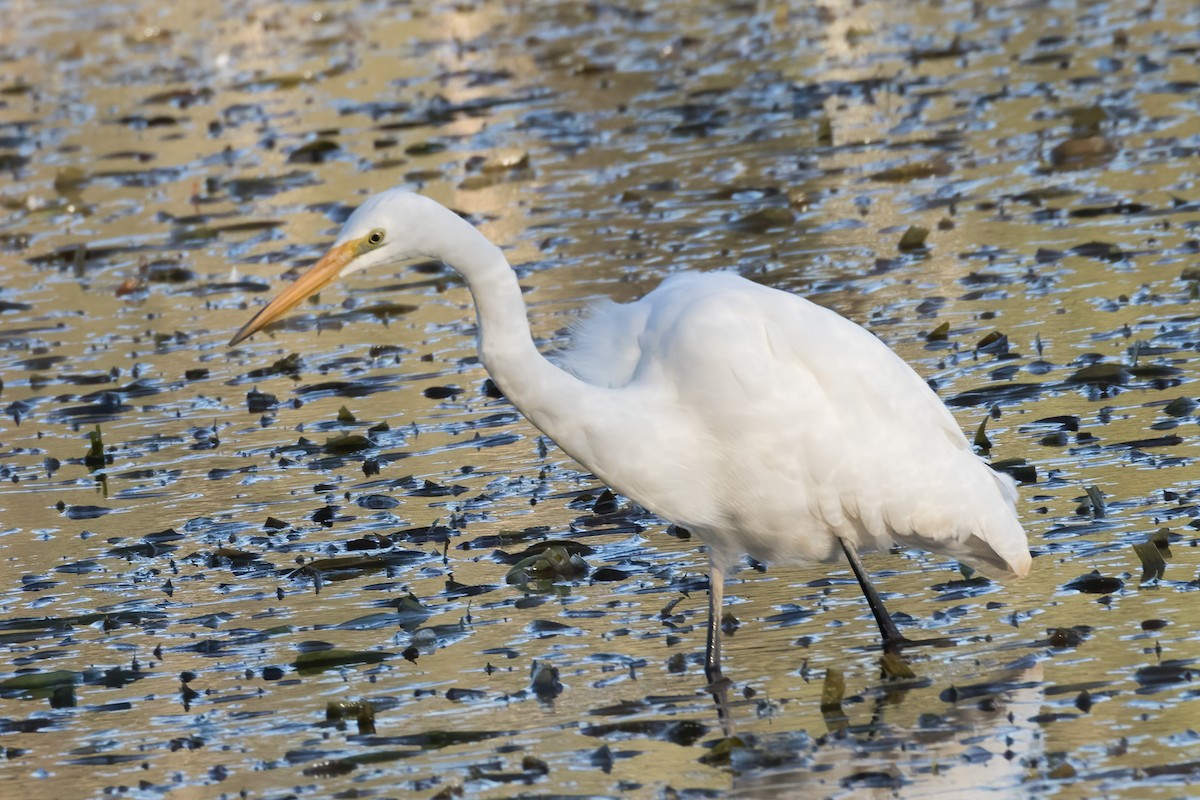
column 763, row 423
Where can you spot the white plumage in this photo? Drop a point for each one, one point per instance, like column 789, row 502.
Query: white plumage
column 777, row 425
column 761, row 422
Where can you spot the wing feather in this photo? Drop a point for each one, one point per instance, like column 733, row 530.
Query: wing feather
column 805, row 421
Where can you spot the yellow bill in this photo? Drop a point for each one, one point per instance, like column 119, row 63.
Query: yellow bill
column 316, row 278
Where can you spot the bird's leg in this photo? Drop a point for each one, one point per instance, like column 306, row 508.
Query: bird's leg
column 892, row 640
column 716, row 599
column 718, row 685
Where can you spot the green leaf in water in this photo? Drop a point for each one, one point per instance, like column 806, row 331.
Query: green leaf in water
column 347, row 443
column 437, row 739
column 553, row 563
column 719, row 754
column 1153, row 563
column 410, row 607
column 766, row 219
column 361, row 564
column 981, row 439
column 94, row 459
column 1101, row 375
column 913, row 239
column 40, row 681
column 321, row 660
column 894, row 666
column 361, row 711
column 833, row 690
column 939, row 334
column 938, row 166
column 1082, row 151
column 824, row 132
column 1153, row 554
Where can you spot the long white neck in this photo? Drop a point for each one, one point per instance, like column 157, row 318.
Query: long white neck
column 549, row 397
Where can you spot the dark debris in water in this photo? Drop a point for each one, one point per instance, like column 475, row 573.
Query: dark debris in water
column 348, row 567
column 680, row 732
column 1095, row 583
column 319, row 660
column 542, row 565
column 1156, row 677
column 1051, row 300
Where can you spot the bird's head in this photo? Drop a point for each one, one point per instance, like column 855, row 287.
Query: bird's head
column 386, row 229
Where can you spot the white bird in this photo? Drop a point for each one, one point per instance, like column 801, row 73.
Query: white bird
column 764, row 424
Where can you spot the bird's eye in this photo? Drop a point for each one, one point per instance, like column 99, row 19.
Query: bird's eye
column 376, row 238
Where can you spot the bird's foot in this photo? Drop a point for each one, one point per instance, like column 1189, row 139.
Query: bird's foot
column 897, row 644
column 718, row 687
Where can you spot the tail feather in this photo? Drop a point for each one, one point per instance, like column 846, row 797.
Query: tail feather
column 977, row 553
column 993, row 542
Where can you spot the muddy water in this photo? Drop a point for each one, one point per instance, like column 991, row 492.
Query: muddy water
column 168, row 623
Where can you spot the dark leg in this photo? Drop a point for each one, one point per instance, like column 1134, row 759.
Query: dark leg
column 892, row 640
column 718, row 685
column 716, row 599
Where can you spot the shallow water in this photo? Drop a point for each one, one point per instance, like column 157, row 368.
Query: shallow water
column 166, row 167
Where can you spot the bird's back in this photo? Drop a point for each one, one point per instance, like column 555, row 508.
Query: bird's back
column 769, row 425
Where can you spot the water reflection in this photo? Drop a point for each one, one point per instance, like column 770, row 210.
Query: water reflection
column 981, row 741
column 167, row 166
